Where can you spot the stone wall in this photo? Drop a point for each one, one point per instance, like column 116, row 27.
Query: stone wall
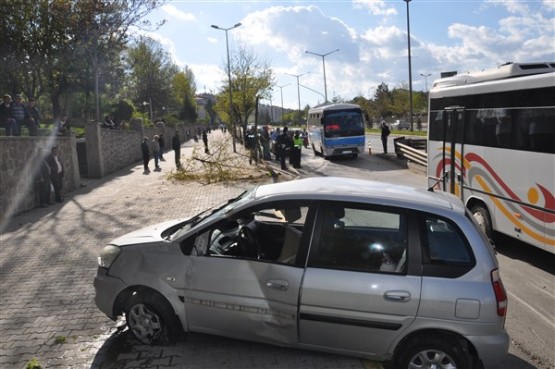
column 107, row 151
column 110, row 150
column 18, row 165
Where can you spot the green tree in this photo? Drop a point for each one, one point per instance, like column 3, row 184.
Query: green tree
column 250, row 78
column 152, row 76
column 58, row 47
column 184, row 88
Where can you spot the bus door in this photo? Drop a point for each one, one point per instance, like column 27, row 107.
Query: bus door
column 453, row 150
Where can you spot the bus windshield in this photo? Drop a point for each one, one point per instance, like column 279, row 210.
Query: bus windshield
column 343, row 124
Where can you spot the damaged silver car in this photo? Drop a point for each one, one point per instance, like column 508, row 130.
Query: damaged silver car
column 374, row 270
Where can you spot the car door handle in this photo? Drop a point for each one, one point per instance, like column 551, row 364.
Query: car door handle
column 399, row 296
column 277, row 285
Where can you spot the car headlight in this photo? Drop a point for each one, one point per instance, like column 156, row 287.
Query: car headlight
column 108, row 255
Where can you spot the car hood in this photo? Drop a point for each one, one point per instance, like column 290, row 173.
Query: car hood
column 146, row 235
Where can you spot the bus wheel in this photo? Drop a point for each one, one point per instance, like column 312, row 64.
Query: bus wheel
column 481, row 214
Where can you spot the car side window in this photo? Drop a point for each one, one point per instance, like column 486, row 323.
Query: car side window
column 271, row 234
column 443, row 243
column 361, row 239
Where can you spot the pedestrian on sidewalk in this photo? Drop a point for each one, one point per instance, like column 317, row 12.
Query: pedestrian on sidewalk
column 176, row 146
column 42, row 179
column 146, row 155
column 265, row 142
column 205, row 140
column 296, row 151
column 56, row 172
column 284, row 147
column 162, row 144
column 385, row 134
column 156, row 152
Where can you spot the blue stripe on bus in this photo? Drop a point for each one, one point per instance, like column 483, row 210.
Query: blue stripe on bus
column 344, row 141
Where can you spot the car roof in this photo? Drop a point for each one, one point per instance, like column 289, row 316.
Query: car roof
column 358, row 190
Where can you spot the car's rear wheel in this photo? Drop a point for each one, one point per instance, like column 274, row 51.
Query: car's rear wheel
column 151, row 318
column 439, row 352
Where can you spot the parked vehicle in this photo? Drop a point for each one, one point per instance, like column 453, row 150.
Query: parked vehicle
column 491, row 141
column 336, row 130
column 400, row 125
column 347, row 266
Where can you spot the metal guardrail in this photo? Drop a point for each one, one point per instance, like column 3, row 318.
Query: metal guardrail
column 411, row 149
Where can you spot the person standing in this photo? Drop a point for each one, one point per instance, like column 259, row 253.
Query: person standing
column 205, row 141
column 34, row 117
column 265, row 142
column 146, row 155
column 296, row 152
column 250, row 144
column 385, row 135
column 162, row 144
column 156, row 153
column 42, row 179
column 284, row 145
column 176, row 146
column 56, row 172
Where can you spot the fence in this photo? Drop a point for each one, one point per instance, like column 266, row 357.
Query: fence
column 413, row 149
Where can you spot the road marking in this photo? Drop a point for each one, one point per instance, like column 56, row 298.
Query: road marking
column 547, row 320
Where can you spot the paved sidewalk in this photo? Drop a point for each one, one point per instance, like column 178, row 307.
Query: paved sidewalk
column 48, row 262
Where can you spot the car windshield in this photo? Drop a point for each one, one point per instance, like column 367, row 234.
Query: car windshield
column 209, row 214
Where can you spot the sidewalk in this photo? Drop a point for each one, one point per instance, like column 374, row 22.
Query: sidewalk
column 48, row 262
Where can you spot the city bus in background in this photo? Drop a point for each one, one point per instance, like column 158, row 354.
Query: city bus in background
column 491, row 141
column 336, row 130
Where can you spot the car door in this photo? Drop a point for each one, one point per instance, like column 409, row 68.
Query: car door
column 251, row 298
column 359, row 292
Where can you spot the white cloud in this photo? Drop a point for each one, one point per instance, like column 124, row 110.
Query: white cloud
column 172, row 11
column 207, row 76
column 375, row 7
column 212, row 40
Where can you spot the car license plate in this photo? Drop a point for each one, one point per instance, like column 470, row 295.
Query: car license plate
column 346, row 152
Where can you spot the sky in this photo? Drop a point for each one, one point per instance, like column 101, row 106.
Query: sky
column 445, row 35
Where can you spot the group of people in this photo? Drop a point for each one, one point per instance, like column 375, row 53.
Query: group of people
column 157, row 147
column 49, row 176
column 14, row 114
column 286, row 145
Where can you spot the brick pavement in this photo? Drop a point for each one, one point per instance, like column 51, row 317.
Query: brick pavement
column 48, row 262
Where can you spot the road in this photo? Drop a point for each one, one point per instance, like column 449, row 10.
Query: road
column 48, row 261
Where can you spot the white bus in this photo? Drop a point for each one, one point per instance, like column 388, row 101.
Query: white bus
column 491, row 141
column 336, row 130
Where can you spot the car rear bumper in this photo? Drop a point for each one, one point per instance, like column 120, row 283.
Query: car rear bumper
column 107, row 289
column 491, row 349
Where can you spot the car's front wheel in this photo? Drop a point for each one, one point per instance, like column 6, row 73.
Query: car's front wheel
column 440, row 353
column 151, row 319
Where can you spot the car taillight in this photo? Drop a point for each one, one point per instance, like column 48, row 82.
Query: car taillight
column 500, row 294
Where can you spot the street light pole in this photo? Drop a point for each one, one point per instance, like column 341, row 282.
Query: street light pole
column 298, row 89
column 324, row 67
column 426, row 80
column 410, row 66
column 231, row 120
column 281, row 92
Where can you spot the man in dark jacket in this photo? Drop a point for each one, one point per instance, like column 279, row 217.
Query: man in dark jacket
column 176, row 146
column 385, row 133
column 42, row 179
column 283, row 147
column 56, row 172
column 146, row 155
